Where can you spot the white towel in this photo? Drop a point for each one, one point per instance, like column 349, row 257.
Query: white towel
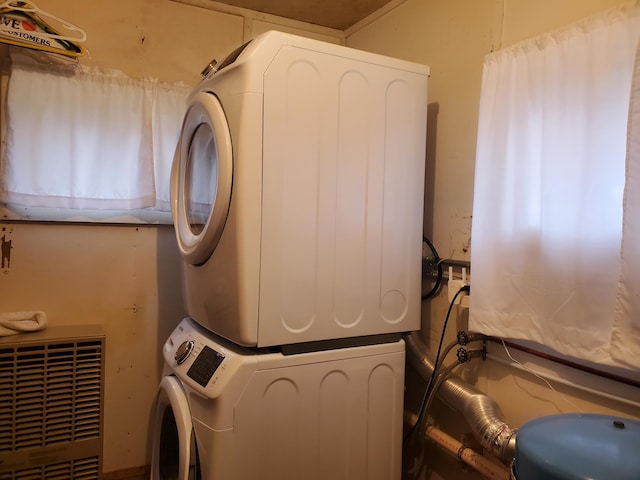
column 17, row 322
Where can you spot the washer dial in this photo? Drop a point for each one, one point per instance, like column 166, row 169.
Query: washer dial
column 184, row 350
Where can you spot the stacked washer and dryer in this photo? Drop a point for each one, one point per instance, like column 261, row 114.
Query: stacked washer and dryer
column 297, row 198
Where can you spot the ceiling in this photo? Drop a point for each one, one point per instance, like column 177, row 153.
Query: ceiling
column 338, row 14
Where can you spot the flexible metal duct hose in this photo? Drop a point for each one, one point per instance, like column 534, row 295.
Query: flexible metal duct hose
column 483, row 414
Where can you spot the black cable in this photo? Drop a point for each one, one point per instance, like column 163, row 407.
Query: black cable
column 439, row 275
column 442, row 376
column 422, row 412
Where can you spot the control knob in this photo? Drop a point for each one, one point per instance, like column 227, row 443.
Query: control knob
column 184, row 350
column 210, row 69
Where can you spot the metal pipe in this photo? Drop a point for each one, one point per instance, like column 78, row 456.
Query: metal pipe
column 467, row 455
column 483, row 414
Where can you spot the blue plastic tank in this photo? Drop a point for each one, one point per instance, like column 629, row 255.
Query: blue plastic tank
column 578, row 447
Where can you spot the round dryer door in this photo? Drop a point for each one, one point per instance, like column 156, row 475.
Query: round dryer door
column 201, row 178
column 175, row 453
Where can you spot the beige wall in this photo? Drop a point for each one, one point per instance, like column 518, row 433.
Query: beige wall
column 452, row 37
column 126, row 278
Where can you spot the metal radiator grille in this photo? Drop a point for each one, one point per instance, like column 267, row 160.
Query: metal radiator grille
column 51, row 407
column 88, row 468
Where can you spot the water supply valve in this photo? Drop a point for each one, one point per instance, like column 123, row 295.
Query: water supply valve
column 463, row 355
column 463, row 338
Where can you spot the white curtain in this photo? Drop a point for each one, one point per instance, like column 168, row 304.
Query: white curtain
column 548, row 194
column 169, row 105
column 625, row 343
column 92, row 140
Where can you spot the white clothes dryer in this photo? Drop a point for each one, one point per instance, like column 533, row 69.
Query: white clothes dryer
column 226, row 412
column 297, row 193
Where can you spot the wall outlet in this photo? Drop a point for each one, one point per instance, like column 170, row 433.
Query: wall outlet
column 452, row 287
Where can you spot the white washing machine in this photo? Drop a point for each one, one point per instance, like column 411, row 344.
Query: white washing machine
column 297, row 193
column 225, row 412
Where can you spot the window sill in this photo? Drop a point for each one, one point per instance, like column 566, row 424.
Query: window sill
column 40, row 214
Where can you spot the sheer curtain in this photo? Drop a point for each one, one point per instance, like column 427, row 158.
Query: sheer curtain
column 625, row 343
column 548, row 195
column 92, row 140
column 169, row 105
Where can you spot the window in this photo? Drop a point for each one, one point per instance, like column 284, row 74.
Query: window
column 549, row 187
column 87, row 144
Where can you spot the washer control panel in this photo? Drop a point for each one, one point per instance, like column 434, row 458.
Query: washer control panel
column 203, row 361
column 205, row 365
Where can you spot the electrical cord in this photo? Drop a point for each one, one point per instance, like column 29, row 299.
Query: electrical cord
column 436, row 364
column 464, row 356
column 438, row 263
column 416, row 469
column 442, row 376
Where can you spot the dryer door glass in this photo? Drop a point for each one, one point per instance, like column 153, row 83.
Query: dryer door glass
column 201, row 178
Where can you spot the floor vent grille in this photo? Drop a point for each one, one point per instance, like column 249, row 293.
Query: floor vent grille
column 51, row 404
column 86, row 468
